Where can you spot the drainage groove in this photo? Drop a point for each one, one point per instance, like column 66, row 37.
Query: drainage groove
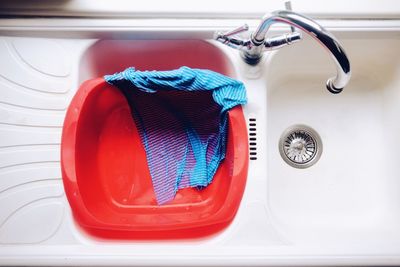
column 253, row 138
column 300, row 146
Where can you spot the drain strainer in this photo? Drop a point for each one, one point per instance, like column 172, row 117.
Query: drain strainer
column 300, row 146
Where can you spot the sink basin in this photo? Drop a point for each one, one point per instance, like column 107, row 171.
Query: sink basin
column 105, row 173
column 351, row 196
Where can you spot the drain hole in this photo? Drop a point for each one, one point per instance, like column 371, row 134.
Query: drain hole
column 300, row 146
column 253, row 138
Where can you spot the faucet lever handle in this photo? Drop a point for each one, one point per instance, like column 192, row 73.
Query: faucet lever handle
column 288, row 7
column 233, row 42
column 238, row 30
column 276, row 42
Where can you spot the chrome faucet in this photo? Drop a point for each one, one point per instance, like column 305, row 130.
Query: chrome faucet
column 252, row 49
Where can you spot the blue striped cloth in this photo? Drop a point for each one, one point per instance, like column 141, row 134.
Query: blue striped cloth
column 181, row 116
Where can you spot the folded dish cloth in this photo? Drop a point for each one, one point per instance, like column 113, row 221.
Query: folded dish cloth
column 181, row 116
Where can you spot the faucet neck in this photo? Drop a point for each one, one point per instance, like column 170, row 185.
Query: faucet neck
column 316, row 31
column 252, row 49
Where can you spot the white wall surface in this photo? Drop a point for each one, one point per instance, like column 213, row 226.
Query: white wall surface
column 206, row 8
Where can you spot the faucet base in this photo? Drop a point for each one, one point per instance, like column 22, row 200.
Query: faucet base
column 251, row 60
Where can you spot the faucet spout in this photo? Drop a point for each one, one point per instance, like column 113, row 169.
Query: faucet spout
column 335, row 84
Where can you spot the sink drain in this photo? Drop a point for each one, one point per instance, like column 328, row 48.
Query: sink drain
column 300, row 146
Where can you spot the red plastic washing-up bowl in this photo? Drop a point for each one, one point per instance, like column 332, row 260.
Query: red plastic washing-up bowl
column 107, row 180
column 108, row 183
